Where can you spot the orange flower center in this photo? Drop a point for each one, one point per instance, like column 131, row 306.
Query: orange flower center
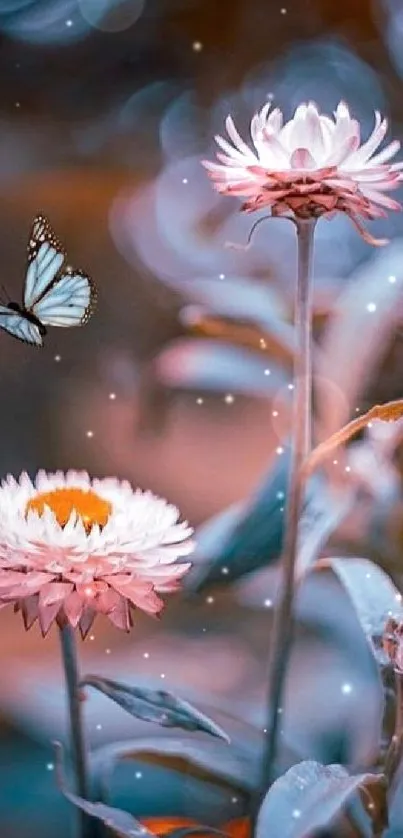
column 89, row 506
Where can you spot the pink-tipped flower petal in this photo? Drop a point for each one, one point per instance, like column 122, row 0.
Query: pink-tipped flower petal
column 72, row 548
column 310, row 149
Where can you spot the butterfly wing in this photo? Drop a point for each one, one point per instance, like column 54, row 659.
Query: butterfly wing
column 70, row 300
column 56, row 295
column 46, row 255
column 19, row 326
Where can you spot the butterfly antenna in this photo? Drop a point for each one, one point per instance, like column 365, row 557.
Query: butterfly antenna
column 6, row 294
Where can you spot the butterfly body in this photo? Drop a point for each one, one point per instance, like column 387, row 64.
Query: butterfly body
column 54, row 294
column 28, row 316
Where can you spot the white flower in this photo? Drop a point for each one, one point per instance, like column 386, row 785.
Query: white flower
column 72, row 547
column 310, row 166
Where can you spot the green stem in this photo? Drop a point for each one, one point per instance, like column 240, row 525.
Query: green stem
column 78, row 747
column 301, row 437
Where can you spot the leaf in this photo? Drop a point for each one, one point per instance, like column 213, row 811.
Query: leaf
column 389, row 412
column 120, row 822
column 372, row 594
column 211, row 365
column 307, row 797
column 241, row 540
column 157, row 706
column 206, row 759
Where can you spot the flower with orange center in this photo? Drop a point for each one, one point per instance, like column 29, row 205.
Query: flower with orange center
column 310, row 166
column 72, row 547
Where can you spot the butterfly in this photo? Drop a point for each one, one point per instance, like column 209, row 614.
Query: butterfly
column 55, row 294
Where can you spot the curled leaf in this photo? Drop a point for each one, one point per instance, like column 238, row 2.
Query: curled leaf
column 309, row 796
column 389, row 412
column 277, row 343
column 122, row 823
column 156, row 706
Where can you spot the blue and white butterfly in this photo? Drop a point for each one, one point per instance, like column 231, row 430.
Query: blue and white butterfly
column 54, row 293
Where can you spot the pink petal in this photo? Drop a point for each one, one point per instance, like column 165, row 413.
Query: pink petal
column 366, row 235
column 301, row 158
column 29, row 608
column 54, row 592
column 141, row 594
column 47, row 615
column 120, row 616
column 73, row 608
column 86, row 622
column 379, row 198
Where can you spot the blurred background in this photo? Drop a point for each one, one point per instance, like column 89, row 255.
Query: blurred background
column 182, row 380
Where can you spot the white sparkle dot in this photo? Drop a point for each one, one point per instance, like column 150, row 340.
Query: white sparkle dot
column 280, row 495
column 371, row 307
column 146, row 655
column 392, row 279
column 398, row 597
column 199, row 401
column 197, row 46
column 90, row 434
column 162, row 675
column 92, row 636
column 348, row 468
column 280, row 710
column 265, row 730
column 108, row 651
column 17, row 104
column 335, row 462
column 369, row 425
column 262, row 343
column 58, row 358
column 296, row 813
column 290, row 386
column 267, row 372
column 138, row 775
column 221, row 276
column 210, row 600
column 99, row 727
column 224, row 570
column 268, row 603
column 69, row 23
column 204, row 629
column 229, row 398
column 279, row 450
column 346, row 689
column 275, row 413
column 367, row 575
column 185, row 180
column 112, row 396
column 234, row 800
column 50, row 766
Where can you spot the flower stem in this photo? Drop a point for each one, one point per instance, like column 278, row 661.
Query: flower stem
column 301, row 438
column 78, row 748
